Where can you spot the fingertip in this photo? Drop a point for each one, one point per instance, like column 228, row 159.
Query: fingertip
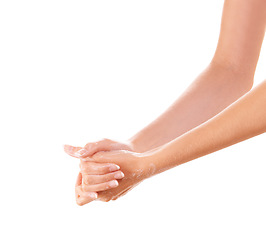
column 81, row 201
column 85, row 198
column 81, row 153
column 93, row 195
column 71, row 150
column 119, row 175
column 114, row 167
column 66, row 147
column 113, row 183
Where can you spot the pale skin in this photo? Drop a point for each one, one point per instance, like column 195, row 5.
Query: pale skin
column 202, row 113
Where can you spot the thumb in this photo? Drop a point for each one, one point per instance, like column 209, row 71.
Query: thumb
column 73, row 151
column 102, row 156
column 102, row 145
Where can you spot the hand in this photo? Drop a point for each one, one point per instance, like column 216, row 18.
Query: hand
column 133, row 165
column 102, row 177
column 96, row 177
column 81, row 196
column 102, row 145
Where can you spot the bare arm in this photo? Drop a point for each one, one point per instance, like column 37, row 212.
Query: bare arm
column 244, row 119
column 228, row 76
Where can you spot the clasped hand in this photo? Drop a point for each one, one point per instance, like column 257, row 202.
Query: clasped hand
column 108, row 170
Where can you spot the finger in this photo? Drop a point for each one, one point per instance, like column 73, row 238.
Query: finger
column 72, row 151
column 79, row 180
column 80, row 193
column 102, row 145
column 82, row 201
column 84, row 197
column 100, row 187
column 81, row 196
column 89, row 149
column 93, row 147
column 93, row 168
column 96, row 179
column 102, row 156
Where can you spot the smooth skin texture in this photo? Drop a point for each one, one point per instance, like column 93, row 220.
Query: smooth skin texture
column 93, row 177
column 228, row 77
column 242, row 120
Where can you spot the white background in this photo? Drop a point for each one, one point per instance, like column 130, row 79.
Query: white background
column 72, row 72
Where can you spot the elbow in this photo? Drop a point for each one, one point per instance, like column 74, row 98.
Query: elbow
column 237, row 75
column 248, row 84
column 243, row 86
column 244, row 79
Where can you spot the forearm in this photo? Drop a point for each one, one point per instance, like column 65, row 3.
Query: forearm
column 229, row 76
column 244, row 119
column 210, row 93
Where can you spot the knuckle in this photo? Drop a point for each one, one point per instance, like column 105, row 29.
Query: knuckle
column 82, row 170
column 107, row 177
column 94, row 169
column 85, row 188
column 89, row 145
column 86, row 168
column 87, row 180
column 104, row 169
column 82, row 165
column 78, row 191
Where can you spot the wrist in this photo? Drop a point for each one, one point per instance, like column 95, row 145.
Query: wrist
column 131, row 145
column 166, row 157
column 149, row 162
column 144, row 142
column 134, row 145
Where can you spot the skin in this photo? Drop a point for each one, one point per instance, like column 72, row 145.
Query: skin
column 242, row 120
column 228, row 77
column 94, row 177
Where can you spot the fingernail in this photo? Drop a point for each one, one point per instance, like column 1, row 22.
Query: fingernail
column 119, row 175
column 113, row 183
column 66, row 147
column 93, row 195
column 114, row 168
column 80, row 152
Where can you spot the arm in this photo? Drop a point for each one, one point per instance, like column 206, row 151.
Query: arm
column 229, row 76
column 244, row 119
